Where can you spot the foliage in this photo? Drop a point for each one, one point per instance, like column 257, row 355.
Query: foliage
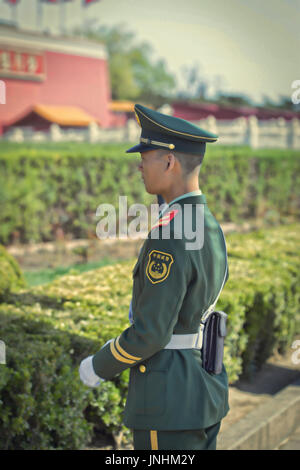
column 11, row 276
column 133, row 72
column 46, row 191
column 49, row 330
column 41, row 399
column 262, row 295
column 43, row 276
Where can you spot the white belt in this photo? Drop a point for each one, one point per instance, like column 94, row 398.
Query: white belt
column 191, row 341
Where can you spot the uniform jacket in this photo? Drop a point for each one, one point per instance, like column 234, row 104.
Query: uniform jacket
column 172, row 289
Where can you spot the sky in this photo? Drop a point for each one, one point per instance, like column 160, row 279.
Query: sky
column 248, row 47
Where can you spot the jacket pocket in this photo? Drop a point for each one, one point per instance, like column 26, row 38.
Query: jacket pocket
column 136, row 392
column 147, row 392
column 155, row 392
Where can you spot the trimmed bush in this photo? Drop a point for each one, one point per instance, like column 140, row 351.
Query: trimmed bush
column 42, row 401
column 11, row 276
column 265, row 267
column 44, row 191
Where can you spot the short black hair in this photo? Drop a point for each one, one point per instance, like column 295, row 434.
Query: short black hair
column 188, row 162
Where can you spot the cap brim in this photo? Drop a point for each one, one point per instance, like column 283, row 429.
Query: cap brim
column 140, row 148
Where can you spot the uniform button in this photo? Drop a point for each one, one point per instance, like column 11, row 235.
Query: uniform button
column 142, row 369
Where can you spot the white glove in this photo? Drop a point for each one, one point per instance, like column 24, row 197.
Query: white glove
column 87, row 373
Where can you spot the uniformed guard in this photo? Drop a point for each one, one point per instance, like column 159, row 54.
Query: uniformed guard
column 173, row 402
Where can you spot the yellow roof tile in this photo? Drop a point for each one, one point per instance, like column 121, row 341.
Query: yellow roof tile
column 124, row 106
column 64, row 115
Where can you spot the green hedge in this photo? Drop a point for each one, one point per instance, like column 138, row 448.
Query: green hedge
column 264, row 287
column 66, row 321
column 45, row 188
column 11, row 276
column 41, row 400
column 49, row 329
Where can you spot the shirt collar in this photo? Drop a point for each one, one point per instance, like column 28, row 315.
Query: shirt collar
column 192, row 193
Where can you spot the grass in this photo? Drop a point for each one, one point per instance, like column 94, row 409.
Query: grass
column 43, row 276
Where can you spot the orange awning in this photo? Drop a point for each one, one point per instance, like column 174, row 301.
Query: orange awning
column 64, row 115
column 121, row 106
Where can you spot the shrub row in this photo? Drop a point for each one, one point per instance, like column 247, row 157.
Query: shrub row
column 49, row 329
column 46, row 190
column 10, row 273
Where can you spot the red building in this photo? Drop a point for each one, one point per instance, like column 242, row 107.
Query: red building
column 53, row 79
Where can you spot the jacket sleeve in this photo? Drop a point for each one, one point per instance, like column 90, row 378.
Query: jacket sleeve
column 160, row 280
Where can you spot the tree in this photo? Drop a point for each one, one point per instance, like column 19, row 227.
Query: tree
column 196, row 85
column 133, row 73
column 285, row 103
column 234, row 100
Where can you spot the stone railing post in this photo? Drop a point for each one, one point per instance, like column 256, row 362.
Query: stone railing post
column 17, row 135
column 93, row 132
column 253, row 132
column 55, row 133
column 132, row 130
column 242, row 129
column 212, row 124
column 294, row 134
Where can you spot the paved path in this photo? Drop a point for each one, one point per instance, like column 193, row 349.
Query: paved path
column 292, row 442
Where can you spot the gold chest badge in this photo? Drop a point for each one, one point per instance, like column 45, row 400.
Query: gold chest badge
column 158, row 266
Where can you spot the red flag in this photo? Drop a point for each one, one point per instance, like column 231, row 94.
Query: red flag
column 12, row 2
column 88, row 2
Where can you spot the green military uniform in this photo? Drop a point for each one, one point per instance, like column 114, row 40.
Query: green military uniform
column 172, row 403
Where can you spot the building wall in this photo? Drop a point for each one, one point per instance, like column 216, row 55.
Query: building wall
column 77, row 81
column 72, row 78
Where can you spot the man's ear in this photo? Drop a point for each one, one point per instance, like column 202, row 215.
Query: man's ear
column 170, row 161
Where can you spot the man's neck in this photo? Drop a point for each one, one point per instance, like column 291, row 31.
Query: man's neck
column 179, row 191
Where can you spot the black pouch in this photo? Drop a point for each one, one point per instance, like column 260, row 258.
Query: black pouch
column 214, row 333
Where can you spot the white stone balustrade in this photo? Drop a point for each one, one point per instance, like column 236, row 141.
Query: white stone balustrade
column 273, row 133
